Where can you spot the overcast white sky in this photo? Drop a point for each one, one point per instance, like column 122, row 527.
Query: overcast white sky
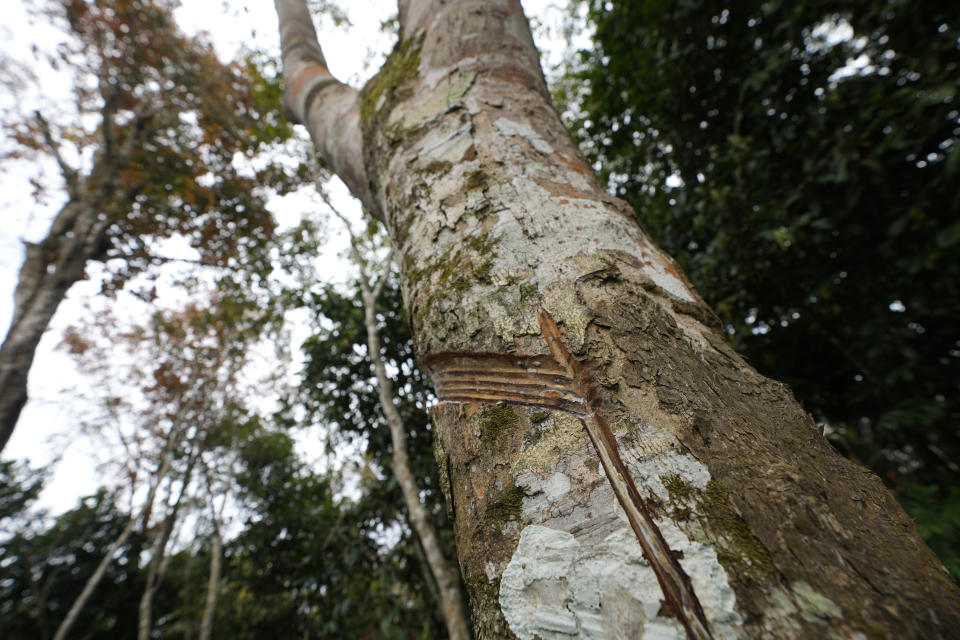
column 48, row 425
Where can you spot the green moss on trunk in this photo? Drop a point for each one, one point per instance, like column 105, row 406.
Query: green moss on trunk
column 385, row 88
column 496, row 420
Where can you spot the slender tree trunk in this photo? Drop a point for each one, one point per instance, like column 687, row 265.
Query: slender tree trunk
column 158, row 556
column 216, row 558
column 94, row 580
column 446, row 577
column 615, row 469
column 213, row 583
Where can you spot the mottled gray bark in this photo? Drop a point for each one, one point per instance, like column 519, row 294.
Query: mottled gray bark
column 614, row 468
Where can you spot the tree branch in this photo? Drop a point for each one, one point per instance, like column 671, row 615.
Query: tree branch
column 328, row 108
column 69, row 173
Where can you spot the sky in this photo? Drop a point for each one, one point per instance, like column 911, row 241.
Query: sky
column 48, row 426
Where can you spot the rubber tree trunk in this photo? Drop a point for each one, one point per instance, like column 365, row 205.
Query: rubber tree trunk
column 615, row 469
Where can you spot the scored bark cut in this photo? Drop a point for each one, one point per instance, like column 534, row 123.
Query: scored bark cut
column 560, row 382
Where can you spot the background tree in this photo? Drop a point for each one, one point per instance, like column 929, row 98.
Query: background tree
column 340, row 390
column 309, row 563
column 146, row 152
column 816, row 211
column 370, row 284
column 307, row 559
column 184, row 403
column 45, row 567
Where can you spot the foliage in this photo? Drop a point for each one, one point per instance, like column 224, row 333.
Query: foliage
column 816, row 208
column 20, row 486
column 166, row 135
column 304, row 564
column 308, row 564
column 938, row 518
column 304, row 561
column 340, row 387
column 177, row 402
column 43, row 570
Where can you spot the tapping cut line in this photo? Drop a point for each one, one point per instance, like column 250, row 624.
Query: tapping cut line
column 552, row 404
column 545, row 384
column 560, row 382
column 530, row 396
column 546, row 380
column 496, row 362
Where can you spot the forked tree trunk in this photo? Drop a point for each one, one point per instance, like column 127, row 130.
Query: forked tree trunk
column 614, row 468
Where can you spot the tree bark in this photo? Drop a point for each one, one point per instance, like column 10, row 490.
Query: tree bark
column 328, row 108
column 51, row 267
column 615, row 469
column 49, row 270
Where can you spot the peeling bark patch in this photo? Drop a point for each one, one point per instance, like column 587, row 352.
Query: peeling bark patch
column 425, row 107
column 662, row 474
column 556, row 588
column 523, row 130
column 563, row 190
column 561, row 382
column 663, row 273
